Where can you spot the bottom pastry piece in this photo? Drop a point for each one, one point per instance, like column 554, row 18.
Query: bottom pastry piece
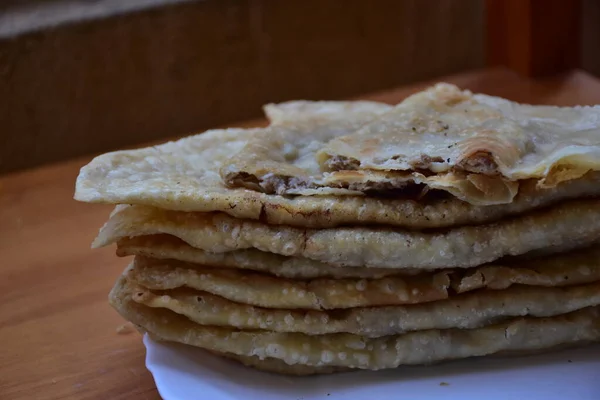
column 297, row 353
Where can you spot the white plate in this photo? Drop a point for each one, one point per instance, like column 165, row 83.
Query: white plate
column 183, row 373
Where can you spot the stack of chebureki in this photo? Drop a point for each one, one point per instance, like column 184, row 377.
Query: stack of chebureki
column 359, row 235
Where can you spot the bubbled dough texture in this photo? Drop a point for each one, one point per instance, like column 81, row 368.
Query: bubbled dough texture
column 538, row 293
column 578, row 266
column 352, row 351
column 273, row 292
column 576, row 222
column 470, row 311
column 268, row 291
column 270, row 364
column 171, row 247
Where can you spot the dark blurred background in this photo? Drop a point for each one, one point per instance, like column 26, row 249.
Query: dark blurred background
column 81, row 77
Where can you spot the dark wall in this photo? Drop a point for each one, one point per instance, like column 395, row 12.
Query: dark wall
column 169, row 71
column 590, row 40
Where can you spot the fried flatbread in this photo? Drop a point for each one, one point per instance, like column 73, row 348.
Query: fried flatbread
column 305, row 116
column 575, row 223
column 270, row 364
column 283, row 161
column 445, row 129
column 352, row 351
column 298, row 129
column 167, row 247
column 324, row 293
column 468, row 311
column 475, row 147
column 571, row 268
column 273, row 292
column 184, row 175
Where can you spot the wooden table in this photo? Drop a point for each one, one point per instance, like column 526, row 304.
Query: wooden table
column 58, row 335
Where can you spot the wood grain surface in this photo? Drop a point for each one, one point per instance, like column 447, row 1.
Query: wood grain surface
column 57, row 333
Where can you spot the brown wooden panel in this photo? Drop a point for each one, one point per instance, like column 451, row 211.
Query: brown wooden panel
column 590, row 36
column 533, row 37
column 101, row 85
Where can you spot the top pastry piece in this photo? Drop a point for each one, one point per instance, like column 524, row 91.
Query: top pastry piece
column 476, row 147
column 184, row 175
